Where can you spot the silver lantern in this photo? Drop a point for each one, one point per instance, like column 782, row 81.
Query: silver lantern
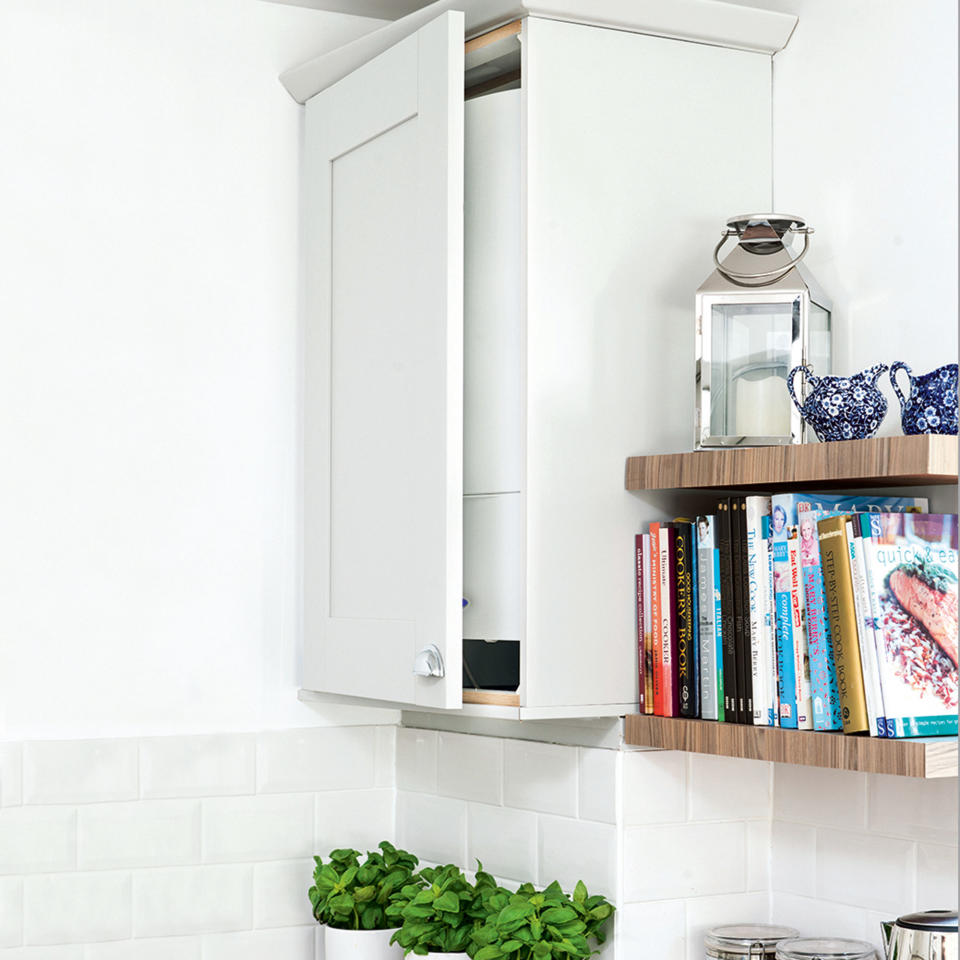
column 759, row 315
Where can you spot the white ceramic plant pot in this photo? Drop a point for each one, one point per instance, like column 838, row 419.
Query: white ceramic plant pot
column 360, row 945
column 443, row 956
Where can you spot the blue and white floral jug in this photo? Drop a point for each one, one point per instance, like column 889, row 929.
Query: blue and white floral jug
column 931, row 406
column 842, row 408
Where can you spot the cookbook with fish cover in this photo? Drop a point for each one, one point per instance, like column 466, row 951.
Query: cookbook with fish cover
column 911, row 561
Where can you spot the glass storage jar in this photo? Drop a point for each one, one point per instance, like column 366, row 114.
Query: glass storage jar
column 745, row 941
column 825, row 948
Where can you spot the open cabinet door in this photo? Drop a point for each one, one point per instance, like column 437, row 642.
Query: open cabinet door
column 383, row 413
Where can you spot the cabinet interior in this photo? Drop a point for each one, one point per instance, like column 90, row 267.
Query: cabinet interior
column 492, row 61
column 493, row 506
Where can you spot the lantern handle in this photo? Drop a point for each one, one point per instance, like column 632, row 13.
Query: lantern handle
column 772, row 274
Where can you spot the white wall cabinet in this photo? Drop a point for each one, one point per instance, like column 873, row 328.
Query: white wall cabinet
column 467, row 405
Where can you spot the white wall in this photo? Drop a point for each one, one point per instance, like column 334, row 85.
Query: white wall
column 149, row 369
column 865, row 148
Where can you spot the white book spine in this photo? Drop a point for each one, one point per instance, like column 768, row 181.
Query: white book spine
column 801, row 657
column 756, row 568
column 865, row 637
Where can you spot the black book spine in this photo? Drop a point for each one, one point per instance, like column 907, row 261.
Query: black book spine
column 745, row 651
column 726, row 612
column 734, row 506
column 683, row 560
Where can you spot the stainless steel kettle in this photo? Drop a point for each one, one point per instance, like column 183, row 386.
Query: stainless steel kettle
column 922, row 936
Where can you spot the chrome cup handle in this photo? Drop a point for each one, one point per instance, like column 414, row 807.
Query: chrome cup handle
column 790, row 378
column 894, row 367
column 769, row 275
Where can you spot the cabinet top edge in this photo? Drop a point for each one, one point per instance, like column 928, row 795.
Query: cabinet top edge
column 700, row 21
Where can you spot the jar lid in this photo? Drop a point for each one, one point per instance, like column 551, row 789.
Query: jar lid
column 933, row 921
column 825, row 948
column 736, row 939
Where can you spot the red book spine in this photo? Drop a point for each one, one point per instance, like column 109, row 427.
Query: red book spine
column 641, row 678
column 668, row 613
column 655, row 616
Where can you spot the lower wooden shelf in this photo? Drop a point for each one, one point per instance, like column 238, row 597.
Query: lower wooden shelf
column 930, row 757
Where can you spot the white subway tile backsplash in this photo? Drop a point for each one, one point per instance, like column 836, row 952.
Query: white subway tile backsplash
column 353, row 818
column 725, row 788
column 794, row 858
column 912, row 808
column 185, row 900
column 219, row 765
column 385, row 774
column 670, row 861
column 68, row 952
column 759, row 844
column 936, row 877
column 143, row 833
column 79, row 771
column 37, row 839
column 11, row 774
column 280, row 893
column 598, row 784
column 293, row 943
column 655, row 930
column 705, row 913
column 321, row 758
column 159, row 948
column 865, row 870
column 266, row 827
column 818, row 918
column 572, row 850
column 11, row 911
column 654, row 786
column 505, row 840
column 76, row 908
column 417, row 752
column 470, row 767
column 833, row 798
column 432, row 827
column 540, row 776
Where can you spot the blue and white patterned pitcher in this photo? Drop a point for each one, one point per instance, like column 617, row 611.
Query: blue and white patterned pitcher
column 842, row 408
column 931, row 406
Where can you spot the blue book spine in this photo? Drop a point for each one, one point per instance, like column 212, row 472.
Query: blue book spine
column 786, row 674
column 718, row 634
column 823, row 672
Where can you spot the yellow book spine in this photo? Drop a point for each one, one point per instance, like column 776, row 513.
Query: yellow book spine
column 838, row 594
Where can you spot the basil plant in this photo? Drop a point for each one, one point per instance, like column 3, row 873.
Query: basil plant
column 440, row 910
column 547, row 925
column 350, row 895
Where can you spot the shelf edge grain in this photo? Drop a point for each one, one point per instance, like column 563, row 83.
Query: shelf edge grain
column 926, row 758
column 888, row 461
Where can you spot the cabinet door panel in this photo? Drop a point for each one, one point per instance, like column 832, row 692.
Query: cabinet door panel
column 383, row 383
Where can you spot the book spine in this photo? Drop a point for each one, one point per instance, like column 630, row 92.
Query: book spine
column 786, row 676
column 755, row 507
column 695, row 619
column 738, row 533
column 683, row 568
column 706, row 612
column 656, row 620
column 770, row 618
column 668, row 618
column 647, row 651
column 801, row 660
column 824, row 697
column 868, row 651
column 717, row 633
column 872, row 612
column 838, row 592
column 729, row 658
column 638, row 572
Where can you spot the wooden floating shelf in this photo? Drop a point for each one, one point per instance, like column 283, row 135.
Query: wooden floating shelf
column 929, row 758
column 886, row 461
column 496, row 698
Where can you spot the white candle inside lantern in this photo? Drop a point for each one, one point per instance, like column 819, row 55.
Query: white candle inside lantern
column 763, row 407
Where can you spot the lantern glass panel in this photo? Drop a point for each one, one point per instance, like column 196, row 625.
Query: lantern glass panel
column 750, row 356
column 818, row 350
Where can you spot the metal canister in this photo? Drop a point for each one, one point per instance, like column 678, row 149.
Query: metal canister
column 825, row 948
column 745, row 941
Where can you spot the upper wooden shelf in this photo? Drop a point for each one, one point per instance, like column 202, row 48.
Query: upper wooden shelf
column 931, row 757
column 882, row 461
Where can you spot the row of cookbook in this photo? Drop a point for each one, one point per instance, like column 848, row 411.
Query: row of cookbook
column 804, row 611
